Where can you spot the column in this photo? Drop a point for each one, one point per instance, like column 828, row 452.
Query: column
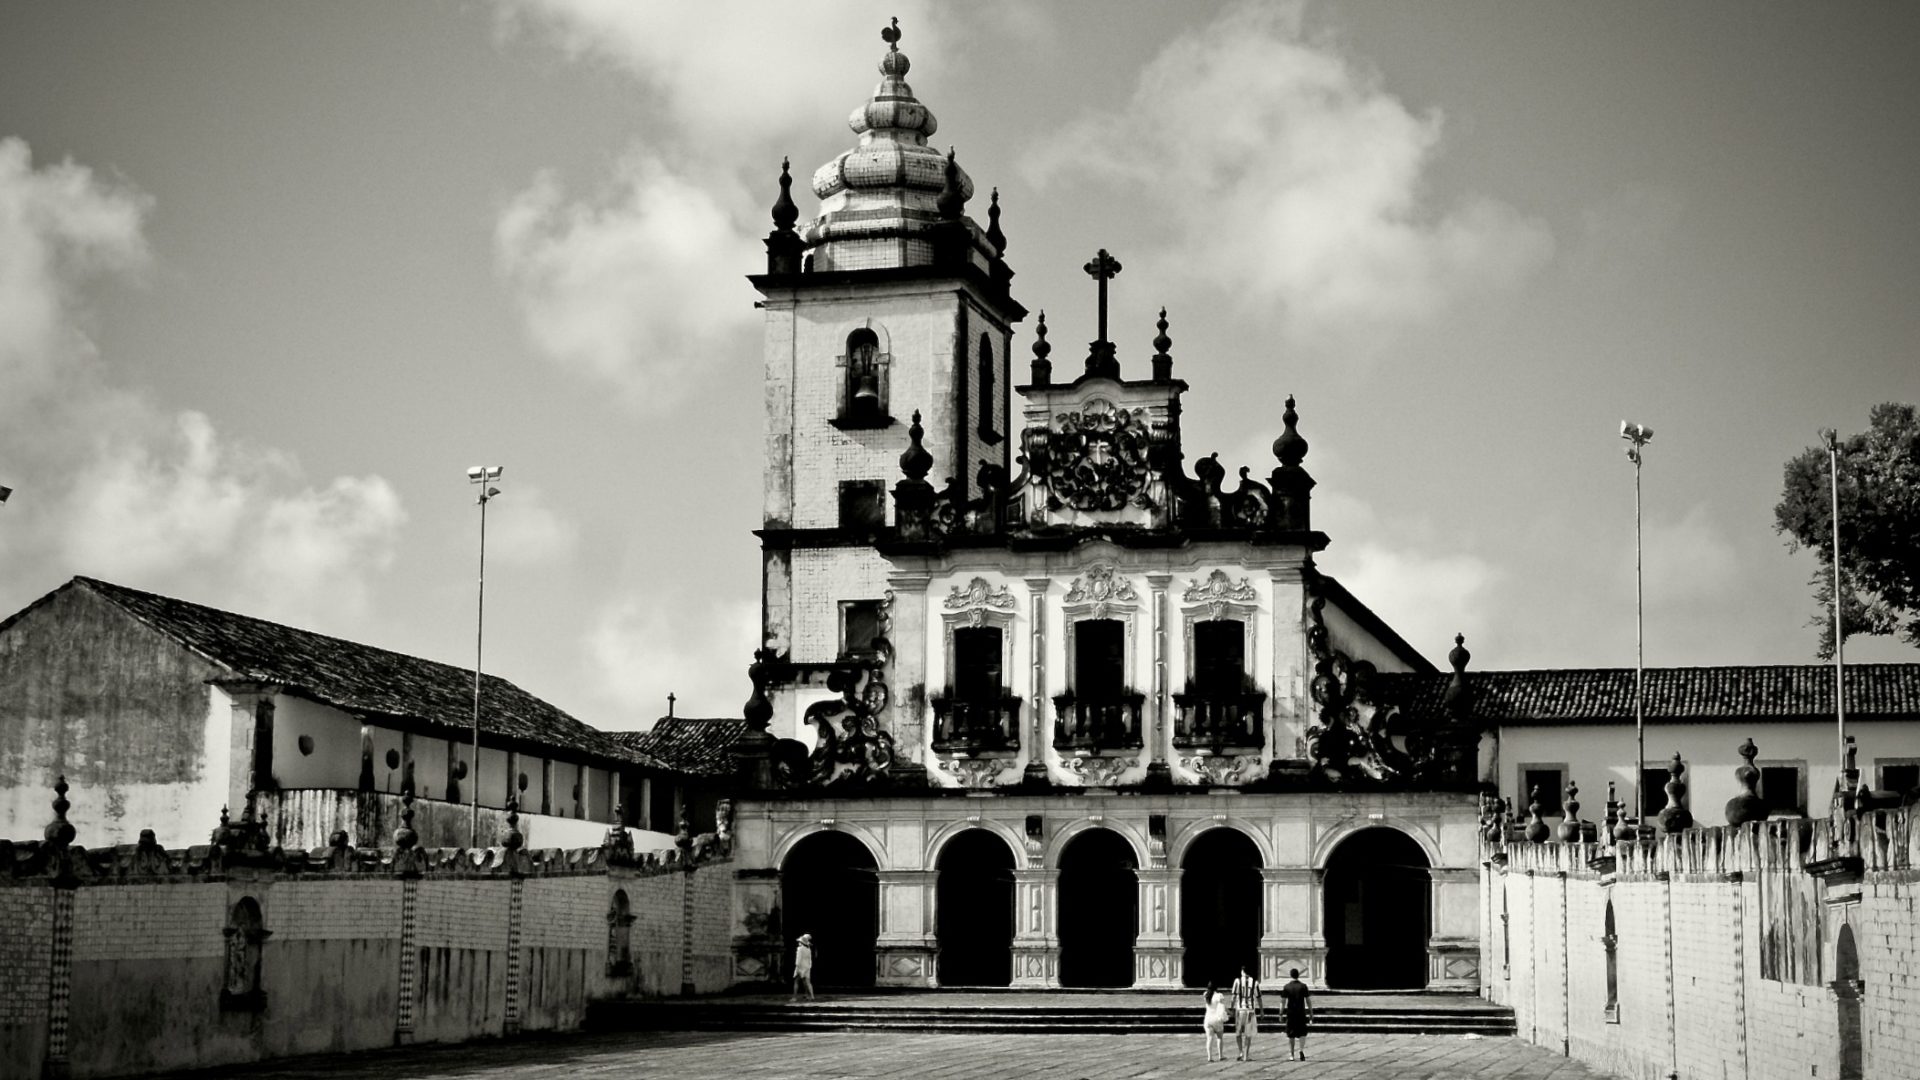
column 1157, row 947
column 1156, row 734
column 906, row 631
column 904, row 950
column 1290, row 930
column 1037, row 708
column 1036, row 951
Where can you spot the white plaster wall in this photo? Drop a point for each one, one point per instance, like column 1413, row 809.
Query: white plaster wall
column 1596, row 754
column 335, row 761
column 1347, row 636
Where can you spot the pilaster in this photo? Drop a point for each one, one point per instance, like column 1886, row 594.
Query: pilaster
column 1157, row 949
column 1036, row 951
column 906, row 631
column 1157, row 770
column 1290, row 935
column 1036, row 771
column 905, row 948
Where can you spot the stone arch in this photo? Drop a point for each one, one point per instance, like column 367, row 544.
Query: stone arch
column 1015, row 842
column 830, row 889
column 1058, row 842
column 1177, row 847
column 1097, row 898
column 1377, row 910
column 1328, row 841
column 973, row 915
column 1222, row 905
column 859, row 832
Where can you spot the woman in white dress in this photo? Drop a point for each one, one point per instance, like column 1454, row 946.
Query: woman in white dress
column 1215, row 1023
column 803, row 967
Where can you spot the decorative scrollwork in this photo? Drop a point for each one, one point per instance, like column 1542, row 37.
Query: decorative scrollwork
column 1099, row 458
column 1218, row 593
column 977, row 598
column 857, row 750
column 1213, row 769
column 1349, row 741
column 973, row 772
column 1097, row 770
column 1101, row 588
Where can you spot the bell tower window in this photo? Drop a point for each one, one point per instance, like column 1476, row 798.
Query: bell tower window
column 864, row 382
column 987, row 400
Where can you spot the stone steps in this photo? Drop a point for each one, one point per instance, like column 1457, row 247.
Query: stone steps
column 1038, row 1019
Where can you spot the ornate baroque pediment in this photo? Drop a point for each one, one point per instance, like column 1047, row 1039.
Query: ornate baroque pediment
column 1218, row 593
column 1100, row 457
column 976, row 599
column 1101, row 589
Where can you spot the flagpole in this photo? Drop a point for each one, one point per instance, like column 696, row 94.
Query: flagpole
column 1839, row 640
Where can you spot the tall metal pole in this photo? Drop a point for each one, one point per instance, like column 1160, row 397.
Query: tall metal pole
column 1637, row 436
column 1839, row 640
column 483, row 475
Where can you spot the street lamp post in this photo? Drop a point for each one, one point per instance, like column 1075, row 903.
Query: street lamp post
column 485, row 476
column 1839, row 639
column 1637, row 436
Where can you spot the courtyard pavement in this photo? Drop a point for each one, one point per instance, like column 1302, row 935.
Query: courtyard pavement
column 824, row 1056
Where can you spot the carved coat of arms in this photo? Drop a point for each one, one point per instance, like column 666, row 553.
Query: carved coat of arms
column 1099, row 458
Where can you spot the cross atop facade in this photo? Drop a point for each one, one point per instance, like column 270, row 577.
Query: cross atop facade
column 1100, row 354
column 670, row 700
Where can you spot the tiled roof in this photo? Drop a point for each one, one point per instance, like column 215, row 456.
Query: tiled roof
column 702, row 747
column 354, row 677
column 1697, row 694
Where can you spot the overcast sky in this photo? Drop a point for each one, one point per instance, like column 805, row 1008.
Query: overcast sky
column 273, row 275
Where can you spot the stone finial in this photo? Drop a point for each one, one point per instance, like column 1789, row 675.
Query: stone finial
column 404, row 838
column 1162, row 359
column 1456, row 700
column 683, row 833
column 952, row 202
column 758, row 711
column 1747, row 805
column 1674, row 817
column 784, row 246
column 513, row 840
column 1569, row 830
column 916, row 461
column 1612, row 820
column 785, row 213
column 619, row 842
column 1537, row 829
column 60, row 832
column 1042, row 367
column 1291, row 446
column 220, row 831
column 994, row 236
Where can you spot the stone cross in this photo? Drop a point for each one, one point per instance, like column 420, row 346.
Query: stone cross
column 1102, row 269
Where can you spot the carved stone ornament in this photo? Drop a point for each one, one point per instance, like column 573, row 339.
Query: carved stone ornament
column 1348, row 741
column 973, row 772
column 1098, row 771
column 977, row 598
column 1237, row 769
column 852, row 748
column 1218, row 593
column 1100, row 589
column 1099, row 458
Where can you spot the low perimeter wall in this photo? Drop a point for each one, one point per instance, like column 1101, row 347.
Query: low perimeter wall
column 1775, row 949
column 136, row 959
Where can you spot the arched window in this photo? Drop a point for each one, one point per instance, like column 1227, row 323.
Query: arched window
column 620, row 935
column 987, row 400
column 246, row 933
column 863, row 382
column 1611, row 941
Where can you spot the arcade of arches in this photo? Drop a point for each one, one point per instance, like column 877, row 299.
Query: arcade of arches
column 990, row 911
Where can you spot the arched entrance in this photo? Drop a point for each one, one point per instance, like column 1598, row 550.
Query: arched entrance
column 830, row 888
column 1378, row 891
column 973, row 905
column 1099, row 896
column 1220, row 907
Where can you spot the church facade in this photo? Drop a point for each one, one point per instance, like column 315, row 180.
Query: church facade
column 1079, row 714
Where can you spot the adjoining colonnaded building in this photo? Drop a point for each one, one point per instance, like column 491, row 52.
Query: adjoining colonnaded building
column 1087, row 714
column 167, row 711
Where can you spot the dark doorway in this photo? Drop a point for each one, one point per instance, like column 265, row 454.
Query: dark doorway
column 1099, row 897
column 830, row 888
column 1847, row 991
column 1220, row 907
column 1378, row 890
column 974, row 910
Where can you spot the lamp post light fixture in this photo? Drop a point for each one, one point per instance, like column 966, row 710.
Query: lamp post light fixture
column 1832, row 439
column 1637, row 436
column 485, row 476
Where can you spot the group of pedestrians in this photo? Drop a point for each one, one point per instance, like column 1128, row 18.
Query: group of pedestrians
column 1241, row 1005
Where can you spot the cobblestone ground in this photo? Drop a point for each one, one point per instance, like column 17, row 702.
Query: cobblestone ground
column 821, row 1056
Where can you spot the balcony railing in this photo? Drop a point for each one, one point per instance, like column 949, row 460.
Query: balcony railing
column 1108, row 722
column 978, row 726
column 1219, row 722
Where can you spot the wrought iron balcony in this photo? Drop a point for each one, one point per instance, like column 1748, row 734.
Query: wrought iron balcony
column 979, row 726
column 1110, row 721
column 1219, row 722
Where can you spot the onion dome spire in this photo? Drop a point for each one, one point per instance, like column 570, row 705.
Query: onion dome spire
column 953, row 201
column 994, row 236
column 1291, row 510
column 785, row 213
column 1042, row 367
column 916, row 461
column 783, row 244
column 1290, row 447
column 1162, row 360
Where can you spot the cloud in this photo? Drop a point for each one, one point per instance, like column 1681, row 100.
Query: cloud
column 1690, row 559
column 110, row 484
column 620, row 286
column 641, row 651
column 1404, row 572
column 1286, row 174
column 526, row 531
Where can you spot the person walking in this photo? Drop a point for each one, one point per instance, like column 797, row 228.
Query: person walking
column 803, row 967
column 1246, row 1013
column 1299, row 1013
column 1215, row 1023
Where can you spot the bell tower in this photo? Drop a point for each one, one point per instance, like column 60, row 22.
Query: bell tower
column 889, row 311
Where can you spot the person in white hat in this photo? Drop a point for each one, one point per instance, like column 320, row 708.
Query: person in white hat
column 803, row 967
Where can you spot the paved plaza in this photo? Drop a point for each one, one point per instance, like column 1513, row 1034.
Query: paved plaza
column 822, row 1056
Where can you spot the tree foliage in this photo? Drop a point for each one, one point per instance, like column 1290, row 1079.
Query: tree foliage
column 1879, row 526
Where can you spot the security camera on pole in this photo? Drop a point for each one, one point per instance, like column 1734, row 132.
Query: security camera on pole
column 1637, row 436
column 485, row 476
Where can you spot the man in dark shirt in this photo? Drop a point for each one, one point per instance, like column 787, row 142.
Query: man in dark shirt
column 1299, row 1012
